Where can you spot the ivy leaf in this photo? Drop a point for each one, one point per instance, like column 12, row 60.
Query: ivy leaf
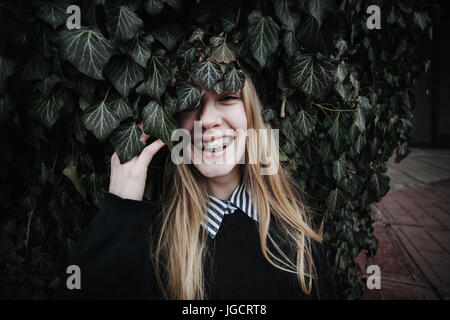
column 283, row 13
column 46, row 86
column 319, row 9
column 339, row 169
column 157, row 78
column 157, row 123
column 233, row 79
column 71, row 173
column 289, row 43
column 154, row 6
column 311, row 75
column 100, row 119
column 47, row 109
column 139, row 48
column 224, row 53
column 168, row 35
column 359, row 121
column 188, row 97
column 188, row 52
column 6, row 106
column 208, row 73
column 94, row 184
column 37, row 68
column 219, row 86
column 53, row 13
column 379, row 184
column 124, row 74
column 88, row 50
column 176, row 4
column 6, row 70
column 121, row 109
column 122, row 23
column 335, row 200
column 421, row 19
column 306, row 121
column 310, row 35
column 263, row 36
column 125, row 140
column 336, row 134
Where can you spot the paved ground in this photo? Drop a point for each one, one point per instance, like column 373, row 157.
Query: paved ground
column 413, row 229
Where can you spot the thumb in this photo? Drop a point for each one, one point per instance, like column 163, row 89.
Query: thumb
column 149, row 151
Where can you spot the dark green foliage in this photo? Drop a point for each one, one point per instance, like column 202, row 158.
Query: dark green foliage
column 342, row 96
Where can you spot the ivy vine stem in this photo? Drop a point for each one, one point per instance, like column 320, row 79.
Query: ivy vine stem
column 334, row 110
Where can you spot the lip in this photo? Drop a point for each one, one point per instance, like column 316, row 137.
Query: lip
column 210, row 139
column 212, row 155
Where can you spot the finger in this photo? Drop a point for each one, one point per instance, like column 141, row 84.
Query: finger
column 144, row 137
column 148, row 153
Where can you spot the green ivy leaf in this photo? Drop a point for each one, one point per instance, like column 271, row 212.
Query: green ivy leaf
column 122, row 23
column 335, row 200
column 207, row 72
column 100, row 119
column 121, row 109
column 6, row 106
column 71, row 173
column 53, row 13
column 47, row 109
column 289, row 43
column 263, row 36
column 233, row 79
column 336, row 134
column 157, row 78
column 224, row 53
column 284, row 14
column 154, row 6
column 46, row 86
column 94, row 186
column 319, row 9
column 188, row 97
column 124, row 74
column 311, row 75
column 88, row 50
column 306, row 121
column 6, row 70
column 339, row 169
column 139, row 48
column 168, row 35
column 157, row 123
column 421, row 19
column 379, row 184
column 125, row 140
column 359, row 121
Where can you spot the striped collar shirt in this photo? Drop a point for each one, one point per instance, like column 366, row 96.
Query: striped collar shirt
column 217, row 209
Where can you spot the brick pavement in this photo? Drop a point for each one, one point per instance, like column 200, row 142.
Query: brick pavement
column 412, row 225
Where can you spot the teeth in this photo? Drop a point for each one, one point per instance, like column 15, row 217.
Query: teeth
column 210, row 146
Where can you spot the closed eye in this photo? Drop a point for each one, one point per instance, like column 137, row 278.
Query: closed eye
column 229, row 97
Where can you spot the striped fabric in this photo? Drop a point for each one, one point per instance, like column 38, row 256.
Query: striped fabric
column 217, row 208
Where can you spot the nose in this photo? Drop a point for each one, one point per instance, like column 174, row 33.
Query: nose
column 209, row 115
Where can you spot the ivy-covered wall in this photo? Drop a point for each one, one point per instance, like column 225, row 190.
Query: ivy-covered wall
column 341, row 94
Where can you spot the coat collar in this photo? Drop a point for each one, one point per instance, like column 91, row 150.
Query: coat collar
column 217, row 209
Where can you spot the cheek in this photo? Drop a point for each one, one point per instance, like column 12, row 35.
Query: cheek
column 238, row 117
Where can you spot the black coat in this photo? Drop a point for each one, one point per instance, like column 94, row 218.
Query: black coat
column 113, row 256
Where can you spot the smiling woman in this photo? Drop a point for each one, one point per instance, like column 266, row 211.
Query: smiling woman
column 199, row 249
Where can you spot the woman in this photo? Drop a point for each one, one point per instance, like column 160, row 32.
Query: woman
column 223, row 229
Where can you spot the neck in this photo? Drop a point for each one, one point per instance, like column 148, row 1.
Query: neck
column 222, row 187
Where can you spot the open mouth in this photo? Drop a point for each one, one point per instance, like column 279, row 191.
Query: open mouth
column 217, row 145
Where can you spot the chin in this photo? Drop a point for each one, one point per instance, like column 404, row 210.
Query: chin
column 214, row 170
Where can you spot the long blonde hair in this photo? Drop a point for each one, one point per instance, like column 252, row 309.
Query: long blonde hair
column 180, row 244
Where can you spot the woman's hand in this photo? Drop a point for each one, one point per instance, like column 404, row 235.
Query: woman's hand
column 127, row 180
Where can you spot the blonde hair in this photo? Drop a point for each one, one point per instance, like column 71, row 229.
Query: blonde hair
column 180, row 245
